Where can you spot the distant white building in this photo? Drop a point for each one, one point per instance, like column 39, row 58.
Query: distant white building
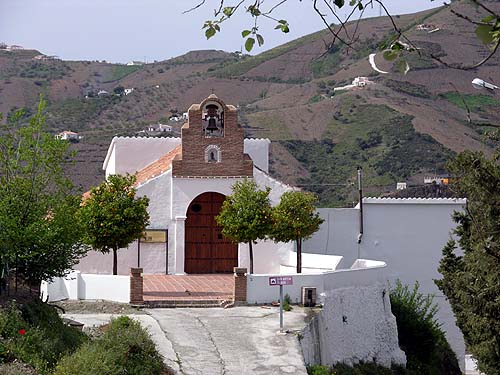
column 438, row 180
column 68, row 135
column 159, row 128
column 357, row 82
column 401, row 185
column 135, row 63
column 102, row 93
column 128, row 91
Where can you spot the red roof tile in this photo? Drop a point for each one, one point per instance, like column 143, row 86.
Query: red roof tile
column 158, row 166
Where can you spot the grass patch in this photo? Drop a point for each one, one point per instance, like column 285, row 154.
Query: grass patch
column 270, row 126
column 120, row 71
column 475, row 102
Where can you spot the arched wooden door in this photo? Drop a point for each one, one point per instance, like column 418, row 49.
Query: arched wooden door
column 206, row 249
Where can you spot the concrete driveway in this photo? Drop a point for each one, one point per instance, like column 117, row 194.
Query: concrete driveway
column 240, row 340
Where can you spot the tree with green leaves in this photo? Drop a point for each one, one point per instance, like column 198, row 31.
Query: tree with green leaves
column 39, row 232
column 294, row 219
column 471, row 276
column 112, row 216
column 246, row 215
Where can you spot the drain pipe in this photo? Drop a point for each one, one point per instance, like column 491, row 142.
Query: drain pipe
column 360, row 190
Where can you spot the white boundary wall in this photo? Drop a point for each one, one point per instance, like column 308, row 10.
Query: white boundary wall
column 363, row 272
column 83, row 286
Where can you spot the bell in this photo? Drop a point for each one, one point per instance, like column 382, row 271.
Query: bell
column 211, row 125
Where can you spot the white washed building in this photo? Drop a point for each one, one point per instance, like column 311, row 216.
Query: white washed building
column 186, row 180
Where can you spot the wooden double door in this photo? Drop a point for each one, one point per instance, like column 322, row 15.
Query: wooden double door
column 206, row 249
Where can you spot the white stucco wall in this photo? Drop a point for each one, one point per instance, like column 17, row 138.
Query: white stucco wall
column 130, row 154
column 258, row 149
column 77, row 286
column 259, row 290
column 356, row 324
column 408, row 234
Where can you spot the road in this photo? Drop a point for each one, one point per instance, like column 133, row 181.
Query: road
column 240, row 340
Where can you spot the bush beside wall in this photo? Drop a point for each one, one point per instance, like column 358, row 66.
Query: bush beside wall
column 124, row 348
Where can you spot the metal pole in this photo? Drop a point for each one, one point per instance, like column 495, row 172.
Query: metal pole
column 139, row 252
column 166, row 251
column 281, row 308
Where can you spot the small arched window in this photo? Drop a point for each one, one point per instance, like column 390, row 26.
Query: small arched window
column 212, row 154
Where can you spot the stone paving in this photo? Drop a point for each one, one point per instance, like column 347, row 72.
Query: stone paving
column 188, row 287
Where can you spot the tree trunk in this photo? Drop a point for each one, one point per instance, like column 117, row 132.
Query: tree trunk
column 251, row 256
column 115, row 262
column 299, row 255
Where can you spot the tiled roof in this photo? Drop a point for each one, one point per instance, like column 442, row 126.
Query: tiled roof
column 158, row 166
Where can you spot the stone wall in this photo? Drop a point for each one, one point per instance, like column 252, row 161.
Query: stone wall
column 355, row 325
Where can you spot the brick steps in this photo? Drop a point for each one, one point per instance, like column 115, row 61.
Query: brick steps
column 190, row 303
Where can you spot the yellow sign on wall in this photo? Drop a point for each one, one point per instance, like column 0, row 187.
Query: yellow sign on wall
column 154, row 236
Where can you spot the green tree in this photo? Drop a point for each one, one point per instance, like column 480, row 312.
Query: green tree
column 419, row 333
column 471, row 279
column 295, row 219
column 246, row 215
column 112, row 216
column 39, row 233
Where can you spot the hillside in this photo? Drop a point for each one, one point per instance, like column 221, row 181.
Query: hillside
column 398, row 128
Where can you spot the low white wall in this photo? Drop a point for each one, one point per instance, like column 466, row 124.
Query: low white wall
column 259, row 290
column 87, row 286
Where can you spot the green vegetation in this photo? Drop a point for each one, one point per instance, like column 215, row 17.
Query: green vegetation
column 295, row 219
column 287, row 303
column 475, row 102
column 77, row 113
column 358, row 369
column 34, row 334
column 375, row 137
column 121, row 71
column 124, row 348
column 112, row 216
column 419, row 333
column 471, row 280
column 246, row 215
column 39, row 232
column 408, row 88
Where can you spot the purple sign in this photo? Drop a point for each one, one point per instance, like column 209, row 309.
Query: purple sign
column 281, row 280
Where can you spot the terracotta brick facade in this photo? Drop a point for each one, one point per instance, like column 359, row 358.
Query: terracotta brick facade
column 136, row 286
column 233, row 162
column 240, row 285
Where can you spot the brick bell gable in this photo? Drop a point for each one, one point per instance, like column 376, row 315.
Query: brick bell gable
column 212, row 143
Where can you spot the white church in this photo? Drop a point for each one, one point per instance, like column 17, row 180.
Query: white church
column 186, row 180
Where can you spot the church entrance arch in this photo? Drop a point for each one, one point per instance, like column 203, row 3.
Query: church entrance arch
column 206, row 249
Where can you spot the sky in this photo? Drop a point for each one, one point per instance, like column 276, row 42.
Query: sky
column 148, row 30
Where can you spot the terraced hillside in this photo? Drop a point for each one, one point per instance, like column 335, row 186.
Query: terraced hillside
column 397, row 128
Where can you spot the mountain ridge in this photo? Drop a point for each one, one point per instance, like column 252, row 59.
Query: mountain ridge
column 398, row 128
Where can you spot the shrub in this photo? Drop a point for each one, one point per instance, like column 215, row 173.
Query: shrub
column 358, row 369
column 419, row 333
column 34, row 333
column 287, row 303
column 125, row 348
